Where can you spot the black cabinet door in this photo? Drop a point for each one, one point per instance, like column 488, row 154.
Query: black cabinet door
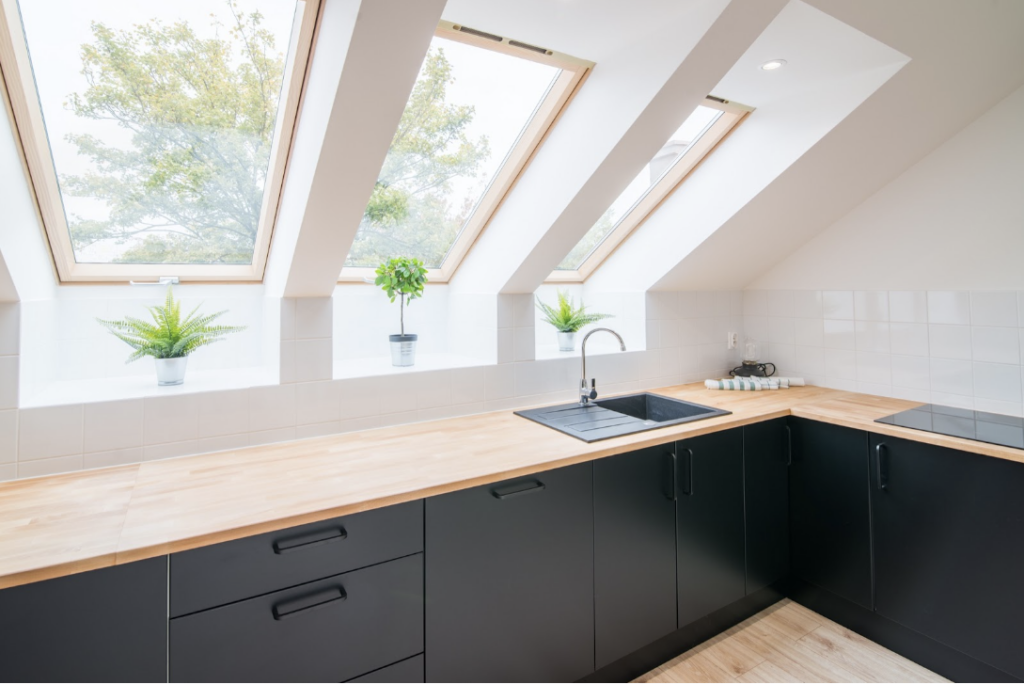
column 634, row 551
column 829, row 509
column 766, row 502
column 107, row 625
column 510, row 580
column 709, row 524
column 949, row 547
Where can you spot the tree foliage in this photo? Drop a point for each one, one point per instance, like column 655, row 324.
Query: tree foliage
column 410, row 210
column 201, row 114
column 168, row 336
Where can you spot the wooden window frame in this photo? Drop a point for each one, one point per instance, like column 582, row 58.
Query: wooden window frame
column 564, row 88
column 30, row 132
column 732, row 115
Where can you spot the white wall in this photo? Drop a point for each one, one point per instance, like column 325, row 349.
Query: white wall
column 918, row 292
column 954, row 220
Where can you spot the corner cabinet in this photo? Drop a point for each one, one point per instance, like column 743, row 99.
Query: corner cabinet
column 106, row 625
column 949, row 547
column 829, row 509
column 510, row 580
column 634, row 551
column 766, row 456
column 709, row 524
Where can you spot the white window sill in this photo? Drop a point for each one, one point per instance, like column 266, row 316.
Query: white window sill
column 381, row 365
column 543, row 352
column 135, row 387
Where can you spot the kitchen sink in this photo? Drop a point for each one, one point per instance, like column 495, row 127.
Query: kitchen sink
column 618, row 416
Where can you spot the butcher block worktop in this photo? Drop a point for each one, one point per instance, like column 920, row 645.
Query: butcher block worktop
column 63, row 524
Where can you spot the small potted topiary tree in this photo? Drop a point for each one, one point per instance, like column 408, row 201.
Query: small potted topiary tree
column 168, row 339
column 568, row 319
column 402, row 277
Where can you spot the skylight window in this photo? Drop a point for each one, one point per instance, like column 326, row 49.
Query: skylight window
column 479, row 108
column 684, row 149
column 156, row 134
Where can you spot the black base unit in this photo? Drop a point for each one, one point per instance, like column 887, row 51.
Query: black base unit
column 106, row 625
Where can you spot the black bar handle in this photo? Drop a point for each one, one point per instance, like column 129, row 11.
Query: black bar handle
column 304, row 541
column 789, row 445
column 689, row 471
column 517, row 489
column 882, row 469
column 672, row 477
column 292, row 607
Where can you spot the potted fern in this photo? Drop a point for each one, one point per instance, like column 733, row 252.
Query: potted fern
column 402, row 277
column 169, row 339
column 568, row 319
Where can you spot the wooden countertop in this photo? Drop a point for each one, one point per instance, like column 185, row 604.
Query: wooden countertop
column 63, row 524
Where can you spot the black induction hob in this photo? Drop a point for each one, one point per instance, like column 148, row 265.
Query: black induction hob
column 957, row 422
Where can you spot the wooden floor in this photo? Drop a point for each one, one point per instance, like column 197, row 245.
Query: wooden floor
column 789, row 643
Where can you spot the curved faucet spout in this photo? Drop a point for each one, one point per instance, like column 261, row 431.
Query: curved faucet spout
column 589, row 393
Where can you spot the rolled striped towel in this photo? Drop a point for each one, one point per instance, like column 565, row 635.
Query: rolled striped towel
column 746, row 384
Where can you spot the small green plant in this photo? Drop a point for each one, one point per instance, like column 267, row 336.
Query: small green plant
column 402, row 277
column 567, row 318
column 168, row 336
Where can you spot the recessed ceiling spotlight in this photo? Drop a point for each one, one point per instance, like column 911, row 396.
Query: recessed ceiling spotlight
column 773, row 65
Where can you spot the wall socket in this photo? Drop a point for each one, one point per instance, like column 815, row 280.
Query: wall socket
column 733, row 340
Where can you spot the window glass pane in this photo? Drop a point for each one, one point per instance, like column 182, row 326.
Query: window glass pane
column 670, row 153
column 160, row 118
column 466, row 112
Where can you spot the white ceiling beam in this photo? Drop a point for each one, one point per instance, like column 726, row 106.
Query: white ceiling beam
column 364, row 66
column 730, row 34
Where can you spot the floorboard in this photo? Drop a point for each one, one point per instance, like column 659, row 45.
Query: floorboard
column 789, row 643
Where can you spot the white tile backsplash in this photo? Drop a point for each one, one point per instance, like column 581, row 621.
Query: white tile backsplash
column 171, row 419
column 947, row 307
column 8, row 436
column 113, row 425
column 49, row 432
column 994, row 309
column 955, row 347
column 908, row 306
column 871, row 305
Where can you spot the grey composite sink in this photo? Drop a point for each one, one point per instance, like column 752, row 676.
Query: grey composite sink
column 618, row 416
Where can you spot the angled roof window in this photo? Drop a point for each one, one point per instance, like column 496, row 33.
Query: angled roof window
column 156, row 134
column 680, row 154
column 480, row 107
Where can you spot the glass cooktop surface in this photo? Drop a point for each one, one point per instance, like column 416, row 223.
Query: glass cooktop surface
column 993, row 428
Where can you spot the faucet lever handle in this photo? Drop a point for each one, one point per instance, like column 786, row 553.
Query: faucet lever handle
column 593, row 389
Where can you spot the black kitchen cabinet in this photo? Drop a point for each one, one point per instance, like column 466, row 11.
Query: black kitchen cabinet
column 710, row 567
column 829, row 509
column 949, row 547
column 106, row 625
column 329, row 630
column 766, row 452
column 634, row 551
column 510, row 580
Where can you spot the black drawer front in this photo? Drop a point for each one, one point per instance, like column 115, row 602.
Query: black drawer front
column 409, row 670
column 329, row 630
column 224, row 573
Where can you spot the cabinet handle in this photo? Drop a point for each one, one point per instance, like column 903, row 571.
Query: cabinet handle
column 882, row 468
column 673, row 476
column 789, row 445
column 689, row 471
column 516, row 489
column 292, row 607
column 304, row 541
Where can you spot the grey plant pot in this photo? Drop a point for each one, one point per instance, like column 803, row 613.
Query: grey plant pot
column 566, row 341
column 170, row 371
column 403, row 350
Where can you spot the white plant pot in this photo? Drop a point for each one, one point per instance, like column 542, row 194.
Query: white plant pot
column 403, row 350
column 566, row 341
column 170, row 371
